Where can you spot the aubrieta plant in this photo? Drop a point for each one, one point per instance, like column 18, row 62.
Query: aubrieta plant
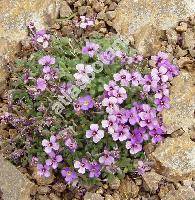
column 100, row 130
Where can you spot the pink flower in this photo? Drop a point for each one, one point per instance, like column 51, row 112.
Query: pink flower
column 43, row 170
column 110, row 124
column 82, row 165
column 123, row 76
column 107, row 158
column 46, row 60
column 121, row 133
column 41, row 84
column 111, row 104
column 120, row 94
column 50, row 145
column 133, row 146
column 110, row 87
column 135, row 78
column 71, row 144
column 95, row 133
column 54, row 160
column 90, row 49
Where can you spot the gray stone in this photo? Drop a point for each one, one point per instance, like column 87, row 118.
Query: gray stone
column 13, row 184
column 115, row 183
column 65, row 10
column 93, row 196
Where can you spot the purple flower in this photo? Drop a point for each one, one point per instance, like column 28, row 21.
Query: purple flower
column 137, row 58
column 43, row 170
column 85, row 22
column 160, row 74
column 121, row 133
column 107, row 158
column 133, row 146
column 41, row 84
column 120, row 94
column 162, row 103
column 107, row 57
column 82, row 165
column 26, row 77
column 65, row 88
column 82, row 76
column 46, row 60
column 95, row 133
column 50, row 145
column 53, row 160
column 86, row 102
column 110, row 87
column 123, row 76
column 135, row 78
column 111, row 104
column 142, row 167
column 69, row 175
column 94, row 170
column 160, row 57
column 121, row 115
column 71, row 144
column 123, row 57
column 90, row 49
column 161, row 90
column 157, row 134
column 148, row 83
column 110, row 123
column 42, row 38
column 133, row 116
column 148, row 119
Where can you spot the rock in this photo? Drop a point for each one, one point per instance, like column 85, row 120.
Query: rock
column 112, row 6
column 114, row 183
column 182, row 27
column 65, row 9
column 164, row 190
column 93, row 196
column 14, row 18
column 116, row 196
column 183, row 193
column 181, row 113
column 149, row 148
column 110, row 15
column 184, row 61
column 54, row 197
column 42, row 180
column 171, row 36
column 175, row 158
column 180, row 52
column 134, row 17
column 109, row 197
column 192, row 135
column 188, row 39
column 128, row 189
column 192, row 52
column 13, row 184
column 43, row 190
column 42, row 197
column 98, row 6
column 59, row 187
column 3, row 79
column 151, row 180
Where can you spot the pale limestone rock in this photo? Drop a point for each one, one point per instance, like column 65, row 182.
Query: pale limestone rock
column 134, row 17
column 175, row 158
column 65, row 10
column 13, row 184
column 151, row 181
column 16, row 14
column 93, row 196
column 183, row 193
column 181, row 113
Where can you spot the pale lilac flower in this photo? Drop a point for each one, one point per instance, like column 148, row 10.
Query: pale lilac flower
column 107, row 57
column 84, row 71
column 47, row 60
column 123, row 76
column 66, row 88
column 135, row 78
column 42, row 38
column 148, row 83
column 137, row 58
column 85, row 22
column 94, row 170
column 122, row 133
column 148, row 120
column 43, row 170
column 160, row 57
column 95, row 133
column 90, row 49
column 82, row 165
column 106, row 158
column 110, row 87
column 143, row 167
column 111, row 104
column 53, row 160
column 86, row 102
column 110, row 124
column 163, row 103
column 160, row 74
column 71, row 144
column 157, row 134
column 69, row 175
column 133, row 147
column 120, row 94
column 161, row 90
column 51, row 144
column 41, row 84
column 26, row 77
column 123, row 57
column 34, row 161
column 133, row 116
